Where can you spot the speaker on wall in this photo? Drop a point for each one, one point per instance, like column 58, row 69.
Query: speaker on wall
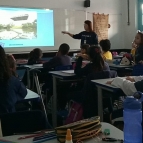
column 87, row 3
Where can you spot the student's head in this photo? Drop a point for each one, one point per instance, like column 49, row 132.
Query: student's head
column 5, row 72
column 105, row 45
column 64, row 49
column 95, row 56
column 88, row 26
column 139, row 38
column 84, row 48
column 12, row 64
column 36, row 54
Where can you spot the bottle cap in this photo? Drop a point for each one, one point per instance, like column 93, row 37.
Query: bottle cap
column 68, row 136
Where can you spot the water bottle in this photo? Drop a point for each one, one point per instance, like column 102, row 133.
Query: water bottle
column 132, row 120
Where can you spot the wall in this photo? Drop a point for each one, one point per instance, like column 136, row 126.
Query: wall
column 115, row 9
column 129, row 30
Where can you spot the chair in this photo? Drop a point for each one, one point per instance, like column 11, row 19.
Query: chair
column 22, row 122
column 90, row 92
column 137, row 70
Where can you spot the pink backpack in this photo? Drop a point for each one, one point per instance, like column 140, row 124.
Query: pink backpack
column 75, row 113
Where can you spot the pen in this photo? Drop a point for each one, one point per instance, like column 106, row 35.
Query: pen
column 45, row 136
column 35, row 135
column 39, row 140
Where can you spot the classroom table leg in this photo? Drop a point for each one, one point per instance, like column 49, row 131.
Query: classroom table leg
column 100, row 106
column 54, row 103
column 28, row 78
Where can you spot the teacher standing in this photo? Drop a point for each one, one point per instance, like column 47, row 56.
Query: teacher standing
column 87, row 37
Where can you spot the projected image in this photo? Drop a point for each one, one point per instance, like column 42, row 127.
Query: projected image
column 18, row 25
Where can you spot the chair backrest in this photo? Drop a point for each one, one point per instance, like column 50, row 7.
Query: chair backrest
column 90, row 93
column 59, row 68
column 137, row 70
column 20, row 122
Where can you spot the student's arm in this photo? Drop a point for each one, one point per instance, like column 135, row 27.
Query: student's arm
column 127, row 86
column 138, row 78
column 95, row 39
column 52, row 63
column 21, row 90
column 77, row 36
column 79, row 70
column 65, row 32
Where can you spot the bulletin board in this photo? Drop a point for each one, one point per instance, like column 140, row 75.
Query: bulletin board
column 100, row 25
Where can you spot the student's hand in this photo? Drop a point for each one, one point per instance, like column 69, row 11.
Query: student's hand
column 109, row 82
column 134, row 45
column 65, row 32
column 130, row 79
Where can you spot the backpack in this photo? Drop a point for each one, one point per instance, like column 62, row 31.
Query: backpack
column 75, row 113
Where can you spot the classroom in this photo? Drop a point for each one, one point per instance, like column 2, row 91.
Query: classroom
column 71, row 71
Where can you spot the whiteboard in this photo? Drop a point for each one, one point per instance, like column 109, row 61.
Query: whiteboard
column 68, row 20
column 64, row 20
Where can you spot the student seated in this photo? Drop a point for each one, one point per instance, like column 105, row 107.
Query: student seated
column 106, row 45
column 139, row 47
column 84, row 52
column 35, row 56
column 97, row 63
column 12, row 65
column 61, row 59
column 11, row 89
column 130, row 85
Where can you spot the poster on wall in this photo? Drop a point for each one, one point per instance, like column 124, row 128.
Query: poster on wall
column 100, row 25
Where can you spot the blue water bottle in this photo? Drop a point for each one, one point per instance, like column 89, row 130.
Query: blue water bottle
column 132, row 120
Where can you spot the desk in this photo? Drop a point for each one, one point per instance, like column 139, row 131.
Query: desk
column 114, row 133
column 116, row 67
column 57, row 75
column 31, row 95
column 101, row 85
column 117, row 57
column 32, row 67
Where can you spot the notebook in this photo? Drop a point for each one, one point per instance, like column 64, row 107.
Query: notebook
column 69, row 71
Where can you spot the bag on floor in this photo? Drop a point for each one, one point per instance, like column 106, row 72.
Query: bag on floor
column 75, row 113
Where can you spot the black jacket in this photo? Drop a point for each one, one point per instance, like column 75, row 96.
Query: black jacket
column 87, row 38
column 87, row 69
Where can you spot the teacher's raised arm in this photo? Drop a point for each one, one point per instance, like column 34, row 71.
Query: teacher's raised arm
column 87, row 37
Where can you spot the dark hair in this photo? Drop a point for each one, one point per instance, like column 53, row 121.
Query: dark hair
column 85, row 47
column 35, row 54
column 12, row 64
column 105, row 45
column 64, row 48
column 141, row 35
column 94, row 53
column 5, row 72
column 89, row 23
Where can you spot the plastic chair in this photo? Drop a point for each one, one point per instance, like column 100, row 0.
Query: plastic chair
column 137, row 70
column 22, row 122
